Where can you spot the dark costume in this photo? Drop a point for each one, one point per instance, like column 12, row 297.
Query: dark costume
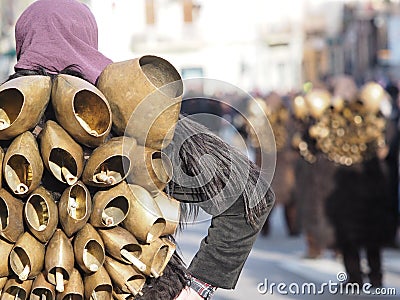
column 313, row 184
column 359, row 207
column 311, row 203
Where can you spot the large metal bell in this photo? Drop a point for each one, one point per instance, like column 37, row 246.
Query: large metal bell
column 145, row 96
column 23, row 101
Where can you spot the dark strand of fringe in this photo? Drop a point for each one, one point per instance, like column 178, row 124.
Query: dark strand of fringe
column 229, row 165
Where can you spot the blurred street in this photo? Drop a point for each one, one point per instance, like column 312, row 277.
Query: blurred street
column 279, row 259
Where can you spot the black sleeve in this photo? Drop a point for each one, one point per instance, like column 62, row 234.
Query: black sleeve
column 224, row 251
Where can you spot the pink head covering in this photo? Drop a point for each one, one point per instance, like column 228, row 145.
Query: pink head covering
column 54, row 34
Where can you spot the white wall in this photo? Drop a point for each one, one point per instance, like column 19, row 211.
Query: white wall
column 227, row 38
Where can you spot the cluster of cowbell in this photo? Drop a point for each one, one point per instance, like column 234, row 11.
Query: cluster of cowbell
column 261, row 114
column 109, row 229
column 346, row 131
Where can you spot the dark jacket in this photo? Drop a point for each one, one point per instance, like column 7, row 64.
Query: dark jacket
column 224, row 250
column 241, row 200
column 359, row 206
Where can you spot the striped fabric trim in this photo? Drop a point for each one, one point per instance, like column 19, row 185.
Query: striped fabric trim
column 204, row 289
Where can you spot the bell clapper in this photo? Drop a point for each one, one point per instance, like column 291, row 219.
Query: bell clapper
column 25, row 273
column 4, row 120
column 150, row 237
column 72, row 205
column 15, row 181
column 86, row 126
column 154, row 273
column 59, row 280
column 134, row 260
column 107, row 220
column 3, row 124
column 94, row 295
column 104, row 176
column 133, row 290
column 43, row 296
column 69, row 178
column 17, row 294
column 21, row 189
column 92, row 267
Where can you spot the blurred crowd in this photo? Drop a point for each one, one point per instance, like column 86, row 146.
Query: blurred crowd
column 336, row 175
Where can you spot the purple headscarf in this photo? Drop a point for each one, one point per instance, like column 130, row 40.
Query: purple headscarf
column 55, row 34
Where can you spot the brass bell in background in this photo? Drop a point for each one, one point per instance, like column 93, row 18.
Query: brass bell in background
column 122, row 245
column 124, row 276
column 41, row 288
column 338, row 103
column 5, row 249
column 81, row 109
column 11, row 219
column 74, row 289
column 89, row 249
column 22, row 165
column 110, row 163
column 258, row 107
column 170, row 209
column 372, row 94
column 62, row 156
column 98, row 285
column 59, row 260
column 318, row 100
column 300, row 108
column 144, row 220
column 41, row 214
column 74, row 208
column 110, row 207
column 147, row 90
column 27, row 257
column 156, row 256
column 23, row 101
column 151, row 169
column 14, row 289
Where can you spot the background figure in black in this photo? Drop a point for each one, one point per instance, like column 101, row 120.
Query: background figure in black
column 392, row 158
column 361, row 211
column 359, row 208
